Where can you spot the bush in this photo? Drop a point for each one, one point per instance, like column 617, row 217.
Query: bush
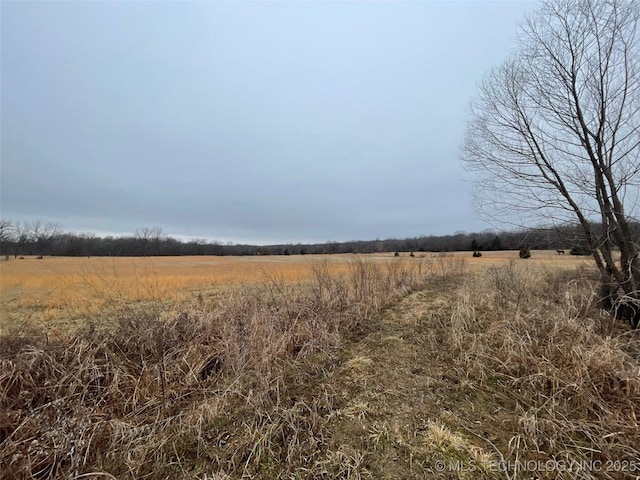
column 525, row 252
column 477, row 254
column 580, row 250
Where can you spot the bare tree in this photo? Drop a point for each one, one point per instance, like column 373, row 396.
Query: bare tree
column 149, row 238
column 23, row 235
column 6, row 236
column 555, row 133
column 43, row 234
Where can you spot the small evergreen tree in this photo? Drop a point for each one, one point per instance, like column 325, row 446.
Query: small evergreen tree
column 580, row 250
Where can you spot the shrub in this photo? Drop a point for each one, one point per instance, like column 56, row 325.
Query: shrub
column 477, row 254
column 580, row 250
column 525, row 252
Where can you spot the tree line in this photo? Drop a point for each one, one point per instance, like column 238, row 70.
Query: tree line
column 19, row 239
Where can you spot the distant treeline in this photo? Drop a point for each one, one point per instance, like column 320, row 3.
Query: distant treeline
column 25, row 238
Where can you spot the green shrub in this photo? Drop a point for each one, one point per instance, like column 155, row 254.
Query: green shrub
column 525, row 252
column 580, row 250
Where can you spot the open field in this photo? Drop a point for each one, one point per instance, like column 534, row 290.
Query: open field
column 63, row 290
column 355, row 367
column 67, row 288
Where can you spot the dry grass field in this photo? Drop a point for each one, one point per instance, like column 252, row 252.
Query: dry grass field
column 62, row 291
column 341, row 366
column 66, row 289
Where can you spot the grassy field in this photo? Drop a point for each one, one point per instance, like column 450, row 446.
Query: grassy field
column 342, row 366
column 63, row 291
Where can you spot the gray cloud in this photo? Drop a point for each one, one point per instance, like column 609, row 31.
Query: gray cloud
column 257, row 122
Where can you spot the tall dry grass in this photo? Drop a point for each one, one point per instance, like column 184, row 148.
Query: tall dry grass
column 566, row 376
column 228, row 386
column 65, row 290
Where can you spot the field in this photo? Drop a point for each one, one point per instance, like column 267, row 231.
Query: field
column 62, row 291
column 341, row 366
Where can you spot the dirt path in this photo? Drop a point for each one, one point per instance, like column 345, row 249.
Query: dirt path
column 403, row 406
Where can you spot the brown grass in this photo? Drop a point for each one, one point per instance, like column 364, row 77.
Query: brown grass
column 59, row 292
column 57, row 289
column 341, row 375
column 233, row 385
column 511, row 373
column 567, row 377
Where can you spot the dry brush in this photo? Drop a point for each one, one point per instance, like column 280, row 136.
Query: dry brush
column 229, row 385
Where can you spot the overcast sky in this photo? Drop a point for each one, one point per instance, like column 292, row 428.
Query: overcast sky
column 260, row 122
